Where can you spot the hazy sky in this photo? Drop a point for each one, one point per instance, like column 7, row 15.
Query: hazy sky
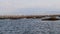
column 13, row 6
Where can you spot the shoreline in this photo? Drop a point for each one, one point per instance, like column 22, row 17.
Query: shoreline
column 28, row 16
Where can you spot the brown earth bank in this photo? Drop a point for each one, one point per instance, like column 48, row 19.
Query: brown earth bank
column 27, row 16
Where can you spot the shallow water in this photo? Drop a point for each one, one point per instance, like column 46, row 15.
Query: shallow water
column 29, row 26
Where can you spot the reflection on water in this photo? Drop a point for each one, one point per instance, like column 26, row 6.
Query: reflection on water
column 29, row 26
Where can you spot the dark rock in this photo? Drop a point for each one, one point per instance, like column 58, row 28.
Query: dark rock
column 51, row 19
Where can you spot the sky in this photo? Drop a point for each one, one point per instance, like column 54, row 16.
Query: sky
column 28, row 7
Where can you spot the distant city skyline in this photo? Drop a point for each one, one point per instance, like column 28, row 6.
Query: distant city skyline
column 28, row 7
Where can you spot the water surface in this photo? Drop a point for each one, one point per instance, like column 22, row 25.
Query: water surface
column 29, row 26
